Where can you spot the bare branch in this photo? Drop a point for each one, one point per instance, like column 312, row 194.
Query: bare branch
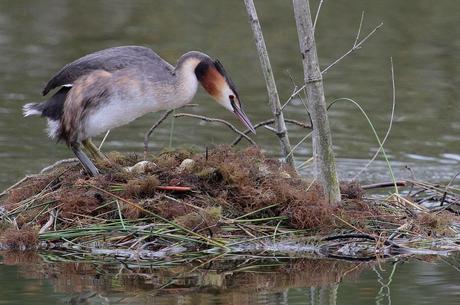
column 268, row 122
column 247, row 131
column 294, row 94
column 317, row 14
column 355, row 46
column 271, row 129
column 203, row 118
column 359, row 29
column 300, row 97
column 156, row 124
column 57, row 164
column 301, row 141
column 294, row 90
column 272, row 90
column 298, row 123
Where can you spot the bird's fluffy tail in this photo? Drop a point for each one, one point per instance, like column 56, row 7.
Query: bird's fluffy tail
column 32, row 109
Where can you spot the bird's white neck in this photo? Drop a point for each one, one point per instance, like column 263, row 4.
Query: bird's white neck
column 182, row 86
column 185, row 81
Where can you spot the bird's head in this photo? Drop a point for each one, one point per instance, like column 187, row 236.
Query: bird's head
column 217, row 83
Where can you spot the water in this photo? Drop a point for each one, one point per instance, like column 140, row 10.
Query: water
column 38, row 37
column 300, row 282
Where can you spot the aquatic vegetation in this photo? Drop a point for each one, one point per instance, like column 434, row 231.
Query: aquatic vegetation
column 221, row 201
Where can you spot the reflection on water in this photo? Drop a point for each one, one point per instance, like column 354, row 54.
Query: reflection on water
column 29, row 280
column 38, row 37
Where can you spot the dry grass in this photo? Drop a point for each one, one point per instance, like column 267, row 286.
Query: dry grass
column 141, row 188
column 434, row 224
column 23, row 239
column 231, row 193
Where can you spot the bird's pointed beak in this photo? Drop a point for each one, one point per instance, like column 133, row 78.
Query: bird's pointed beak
column 244, row 118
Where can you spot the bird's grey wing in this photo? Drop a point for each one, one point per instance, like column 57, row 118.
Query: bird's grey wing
column 109, row 60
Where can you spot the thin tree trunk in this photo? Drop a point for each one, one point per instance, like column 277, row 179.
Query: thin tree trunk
column 323, row 154
column 280, row 125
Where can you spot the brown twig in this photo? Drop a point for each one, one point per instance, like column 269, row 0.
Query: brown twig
column 269, row 122
column 207, row 119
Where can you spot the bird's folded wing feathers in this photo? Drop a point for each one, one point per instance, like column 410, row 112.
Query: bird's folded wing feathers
column 109, row 60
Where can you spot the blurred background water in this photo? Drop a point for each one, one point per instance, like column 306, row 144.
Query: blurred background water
column 38, row 37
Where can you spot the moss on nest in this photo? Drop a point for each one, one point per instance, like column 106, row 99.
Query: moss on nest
column 223, row 192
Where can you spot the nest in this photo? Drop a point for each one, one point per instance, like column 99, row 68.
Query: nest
column 182, row 201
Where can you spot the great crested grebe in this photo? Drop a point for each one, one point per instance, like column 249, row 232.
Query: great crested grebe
column 113, row 87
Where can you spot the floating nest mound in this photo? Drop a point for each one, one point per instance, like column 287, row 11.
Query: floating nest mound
column 223, row 200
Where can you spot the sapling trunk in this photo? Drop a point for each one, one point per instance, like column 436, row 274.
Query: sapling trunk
column 323, row 154
column 273, row 97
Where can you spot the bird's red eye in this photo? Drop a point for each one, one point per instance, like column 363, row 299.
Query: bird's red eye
column 231, row 97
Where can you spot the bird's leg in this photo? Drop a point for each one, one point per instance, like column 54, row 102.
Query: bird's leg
column 93, row 150
column 84, row 160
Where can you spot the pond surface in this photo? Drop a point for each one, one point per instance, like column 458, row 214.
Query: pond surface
column 39, row 37
column 28, row 280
